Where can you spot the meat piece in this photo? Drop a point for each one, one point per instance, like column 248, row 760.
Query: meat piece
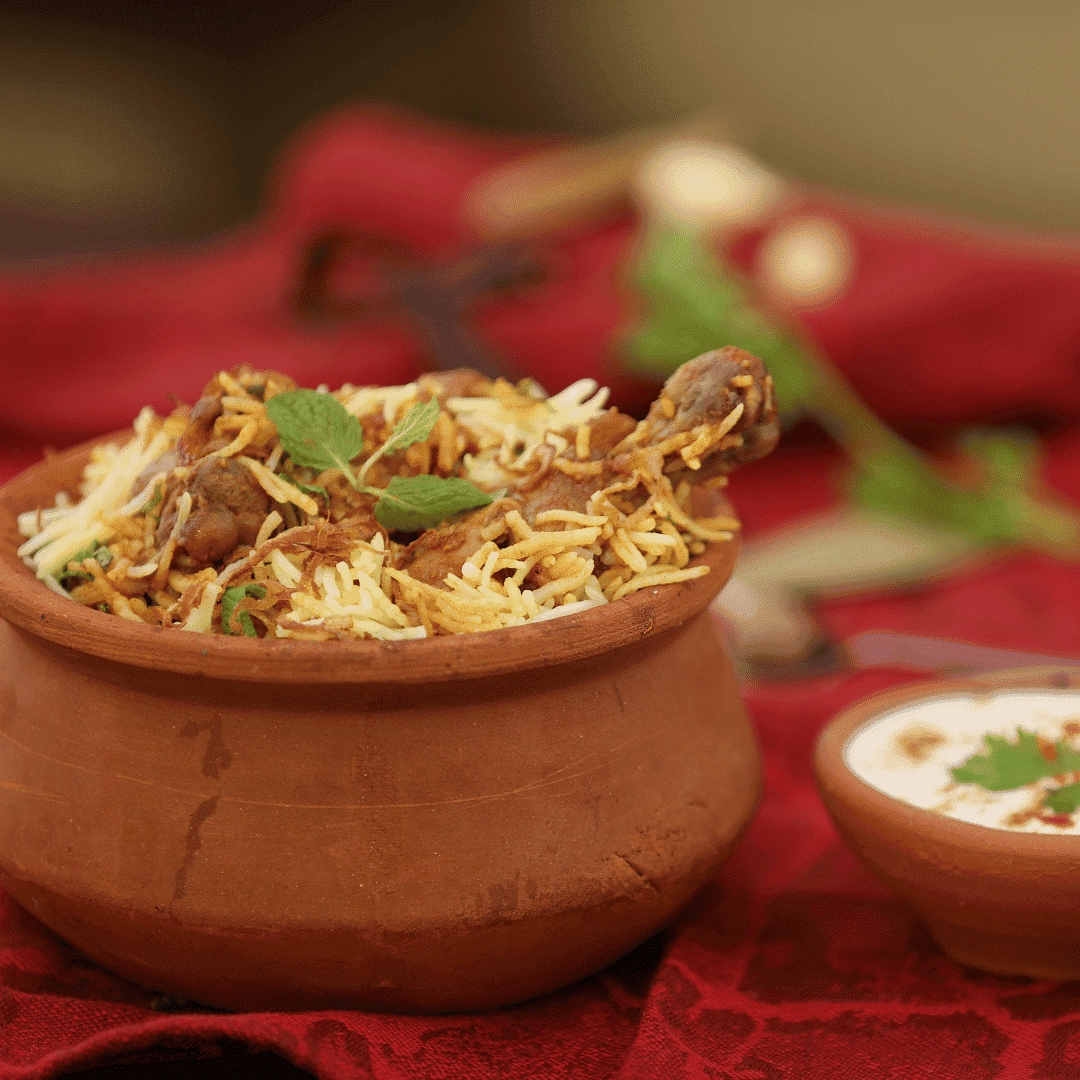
column 193, row 443
column 705, row 391
column 209, row 534
column 442, row 550
column 557, row 491
column 607, row 431
column 198, row 439
column 700, row 397
column 227, row 508
column 227, row 483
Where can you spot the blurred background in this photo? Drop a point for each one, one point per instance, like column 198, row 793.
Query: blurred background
column 133, row 124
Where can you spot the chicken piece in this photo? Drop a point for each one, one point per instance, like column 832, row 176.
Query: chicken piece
column 699, row 398
column 198, row 438
column 442, row 550
column 702, row 394
column 228, row 506
column 607, row 431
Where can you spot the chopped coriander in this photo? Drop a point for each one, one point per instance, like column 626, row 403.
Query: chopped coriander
column 94, row 550
column 230, row 598
column 1008, row 765
column 1065, row 800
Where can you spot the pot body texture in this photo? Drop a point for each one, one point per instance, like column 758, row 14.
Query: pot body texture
column 434, row 847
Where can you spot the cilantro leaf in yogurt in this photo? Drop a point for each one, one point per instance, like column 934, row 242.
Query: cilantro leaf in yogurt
column 1009, row 765
column 1065, row 800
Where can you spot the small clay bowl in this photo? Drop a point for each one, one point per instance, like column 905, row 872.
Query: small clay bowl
column 441, row 825
column 996, row 899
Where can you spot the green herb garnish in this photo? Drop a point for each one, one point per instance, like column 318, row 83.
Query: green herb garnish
column 316, row 429
column 1065, row 800
column 154, row 499
column 411, row 503
column 318, row 432
column 94, row 550
column 1008, row 765
column 413, row 428
column 230, row 598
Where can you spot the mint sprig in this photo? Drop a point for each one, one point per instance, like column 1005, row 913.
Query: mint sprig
column 414, row 427
column 317, row 431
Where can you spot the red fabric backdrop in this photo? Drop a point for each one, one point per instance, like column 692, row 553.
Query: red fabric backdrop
column 794, row 963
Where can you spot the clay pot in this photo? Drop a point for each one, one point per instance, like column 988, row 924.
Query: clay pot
column 440, row 825
column 994, row 899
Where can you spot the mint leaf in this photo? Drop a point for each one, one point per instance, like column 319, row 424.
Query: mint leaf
column 309, row 489
column 411, row 503
column 316, row 430
column 414, row 427
column 1065, row 800
column 94, row 550
column 1008, row 765
column 230, row 598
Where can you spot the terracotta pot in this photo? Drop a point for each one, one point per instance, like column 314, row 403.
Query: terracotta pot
column 994, row 899
column 439, row 825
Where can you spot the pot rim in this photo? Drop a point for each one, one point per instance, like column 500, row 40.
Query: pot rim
column 838, row 784
column 34, row 608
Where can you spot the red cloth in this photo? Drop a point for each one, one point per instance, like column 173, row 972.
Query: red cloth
column 793, row 963
column 929, row 330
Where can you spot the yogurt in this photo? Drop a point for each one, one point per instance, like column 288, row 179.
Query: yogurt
column 907, row 753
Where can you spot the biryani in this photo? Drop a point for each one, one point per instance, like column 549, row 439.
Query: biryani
column 449, row 505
